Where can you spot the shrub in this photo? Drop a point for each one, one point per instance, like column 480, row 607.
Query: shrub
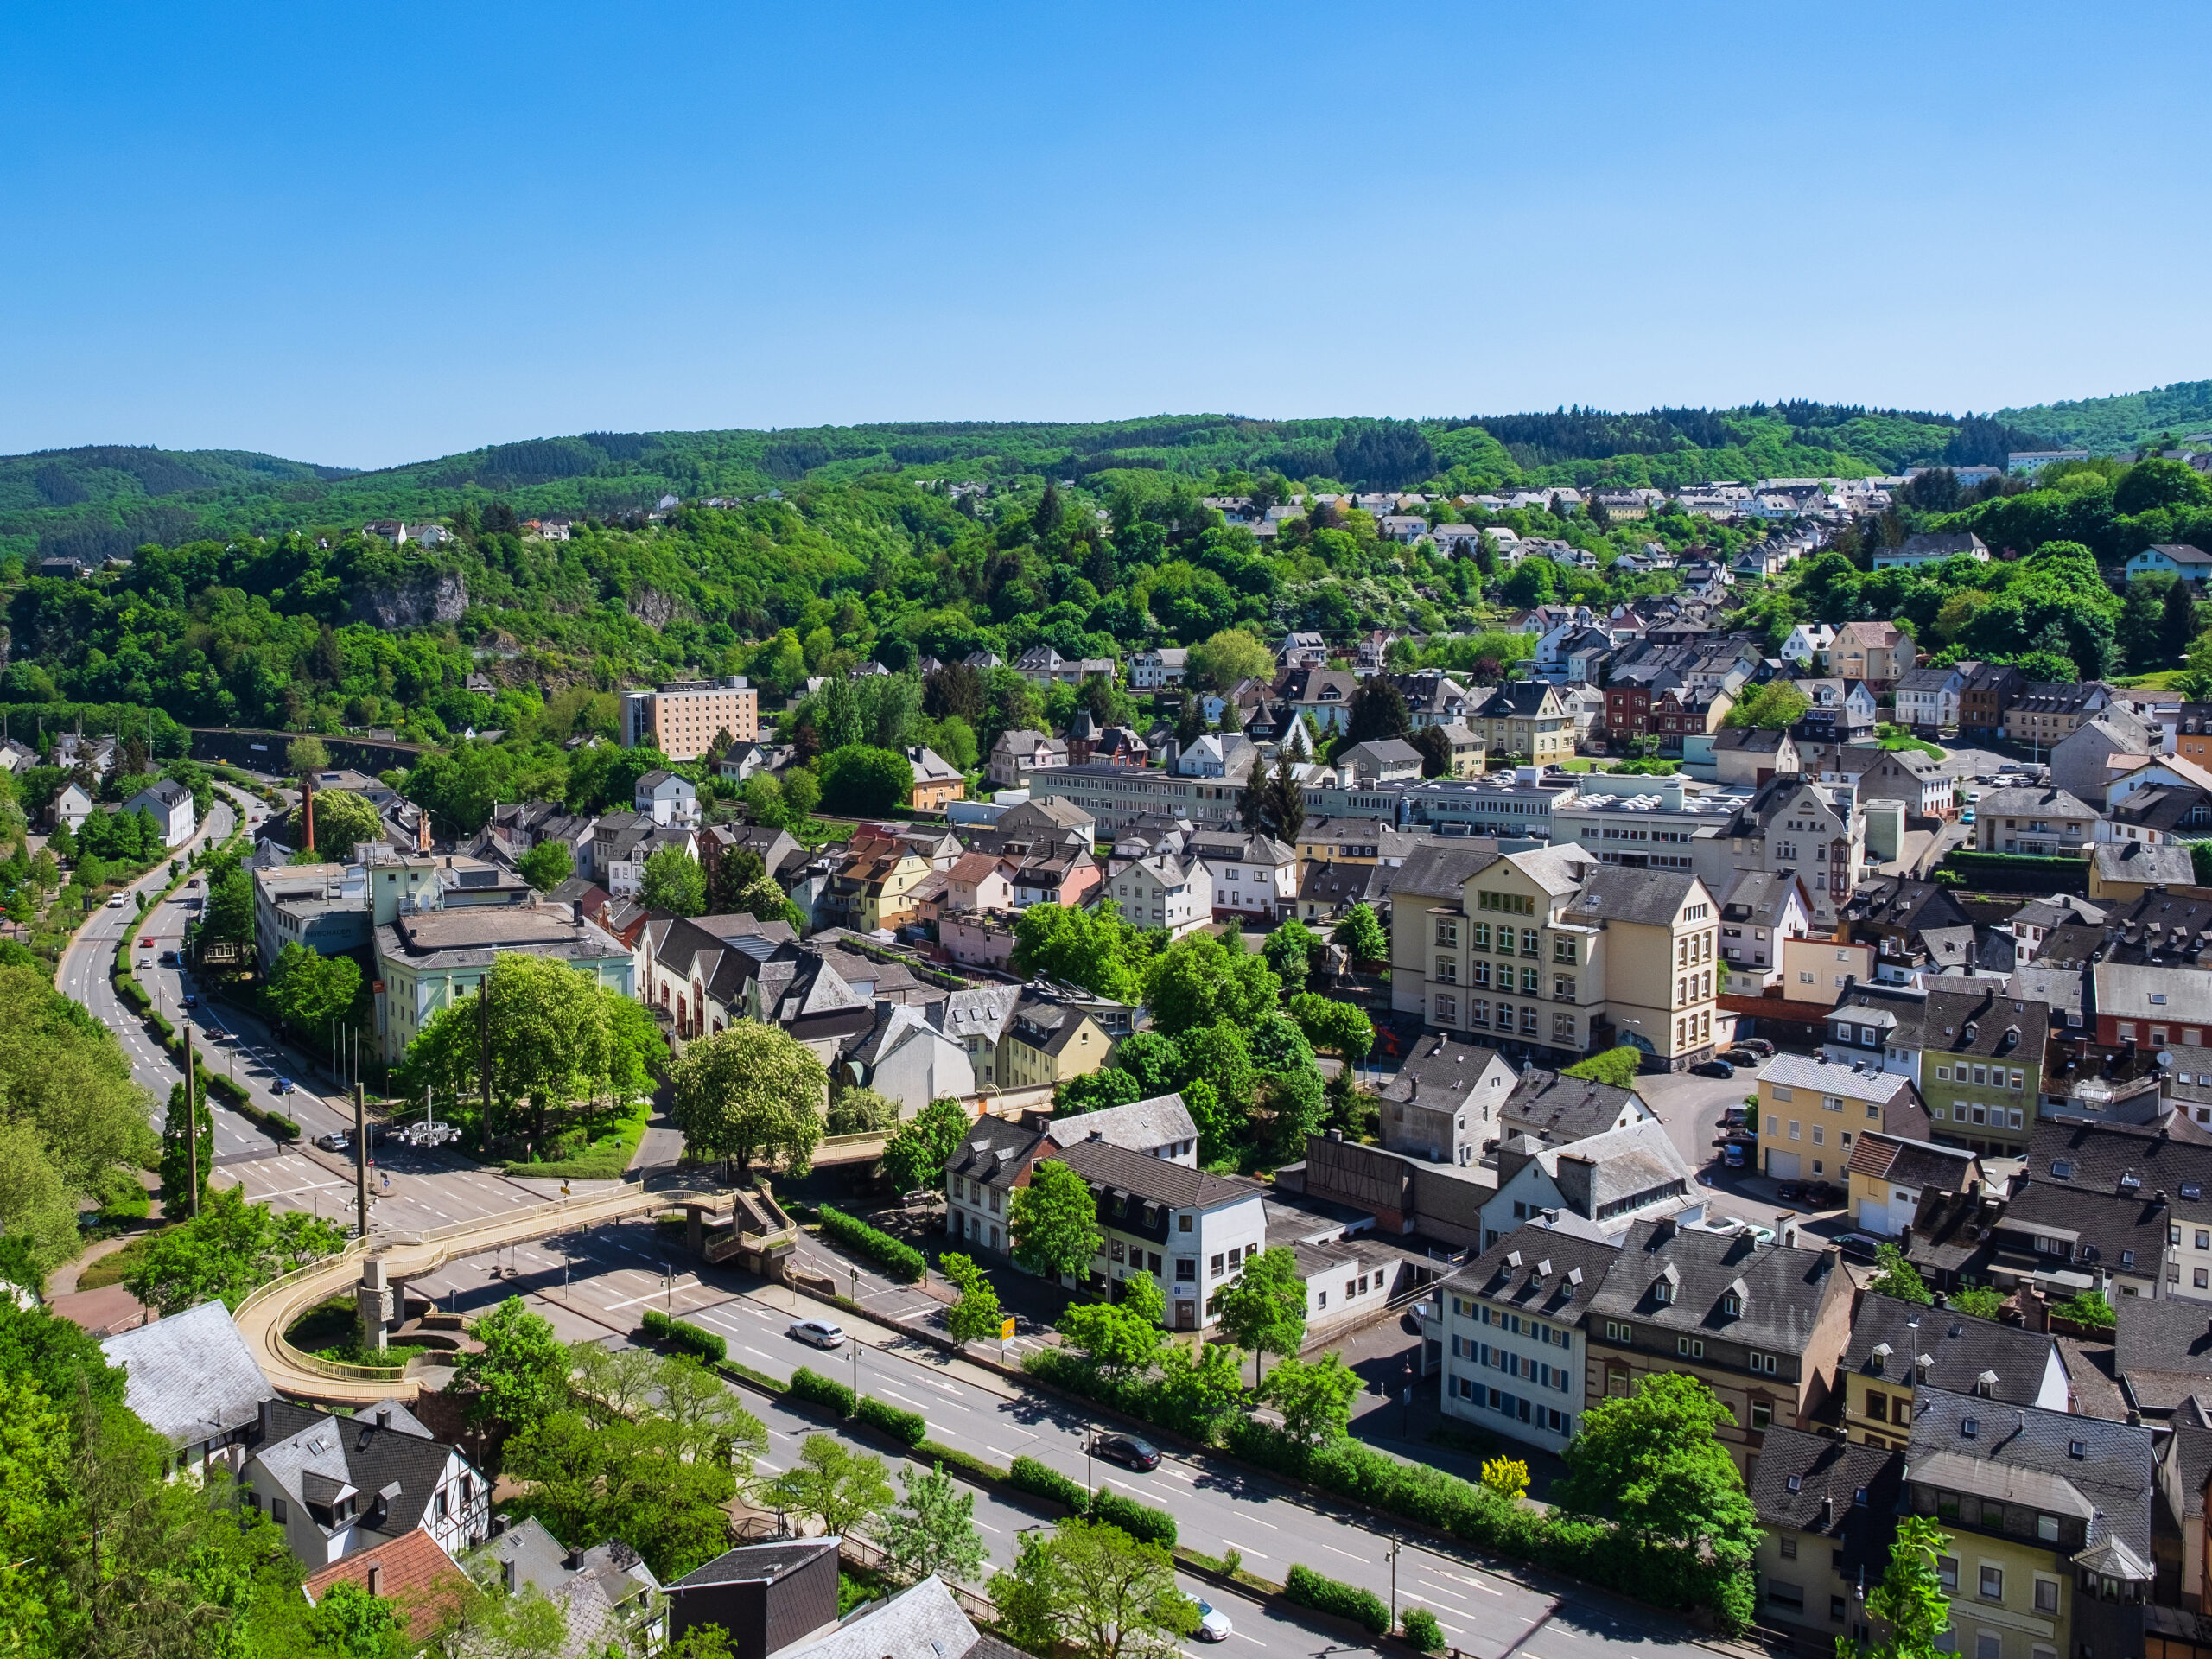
column 758, row 1379
column 818, row 1390
column 1326, row 1595
column 1422, row 1630
column 900, row 1260
column 685, row 1336
column 907, row 1427
column 980, row 1470
column 1028, row 1475
column 1151, row 1526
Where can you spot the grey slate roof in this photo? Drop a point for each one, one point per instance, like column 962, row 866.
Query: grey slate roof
column 1534, row 1269
column 1438, row 1072
column 1809, row 1483
column 2103, row 1157
column 1962, row 1346
column 1564, row 1108
column 923, row 1622
column 1780, row 1287
column 995, row 1151
column 190, row 1376
column 2025, row 1454
column 1984, row 1022
column 332, row 1455
column 1118, row 1169
column 2164, row 1351
column 1162, row 1121
column 1652, row 897
column 756, row 1563
column 2168, row 864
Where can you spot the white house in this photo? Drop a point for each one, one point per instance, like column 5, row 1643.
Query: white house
column 1598, row 1186
column 1159, row 1127
column 1255, row 876
column 1508, row 1326
column 170, row 804
column 2173, row 559
column 1928, row 698
column 666, row 798
column 1152, row 671
column 71, row 807
column 1191, row 1231
column 1808, row 642
column 1165, row 891
column 335, row 1486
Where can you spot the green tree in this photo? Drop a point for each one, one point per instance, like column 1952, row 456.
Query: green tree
column 1093, row 1592
column 180, row 1156
column 1263, row 1308
column 520, row 1376
column 915, row 1156
column 751, row 1090
column 307, row 754
column 1775, row 705
column 1053, row 1222
column 1094, row 948
column 832, row 1483
column 1362, row 936
column 770, row 903
column 1617, row 1067
column 1909, row 1607
column 1377, row 711
column 1273, row 804
column 1983, row 1301
column 933, row 1530
column 1422, row 1632
column 307, row 989
column 1339, row 1028
column 673, row 882
column 802, row 794
column 491, row 1622
column 864, row 781
column 976, row 1317
column 547, row 865
column 1895, row 1277
column 1233, row 655
column 38, row 1211
column 1652, row 1464
column 228, row 916
column 229, row 1248
column 638, row 1480
column 736, row 868
column 1201, row 981
column 1314, row 1396
column 349, row 1621
column 861, row 1111
column 1122, row 1339
column 2088, row 1307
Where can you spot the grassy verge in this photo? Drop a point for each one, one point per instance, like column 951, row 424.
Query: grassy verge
column 331, row 1330
column 1227, row 1569
column 114, row 1269
column 604, row 1159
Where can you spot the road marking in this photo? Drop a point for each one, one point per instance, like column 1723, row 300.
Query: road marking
column 1000, row 1450
column 1253, row 1640
column 1247, row 1551
column 987, row 1527
column 1441, row 1590
column 1346, row 1553
column 1256, row 1522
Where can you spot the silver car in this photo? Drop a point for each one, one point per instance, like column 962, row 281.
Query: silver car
column 1213, row 1624
column 820, row 1333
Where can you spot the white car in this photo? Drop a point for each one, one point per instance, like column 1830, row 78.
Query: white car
column 1213, row 1624
column 115, row 901
column 820, row 1333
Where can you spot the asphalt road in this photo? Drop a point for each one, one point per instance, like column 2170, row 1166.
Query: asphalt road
column 595, row 1286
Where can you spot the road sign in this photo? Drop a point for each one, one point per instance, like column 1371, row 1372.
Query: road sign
column 1006, row 1329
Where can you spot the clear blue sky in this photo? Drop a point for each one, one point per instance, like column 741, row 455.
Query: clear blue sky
column 367, row 234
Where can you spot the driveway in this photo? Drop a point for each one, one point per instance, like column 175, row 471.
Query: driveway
column 1690, row 1107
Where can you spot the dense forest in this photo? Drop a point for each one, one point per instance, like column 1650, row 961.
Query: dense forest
column 108, row 500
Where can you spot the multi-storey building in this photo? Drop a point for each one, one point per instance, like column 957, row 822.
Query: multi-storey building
column 1986, row 700
column 2042, row 823
column 1982, row 1067
column 683, row 718
column 1762, row 1325
column 427, row 961
column 1898, row 1347
column 2046, row 714
column 2049, row 1515
column 1827, row 1514
column 1167, row 890
column 1815, row 829
column 1190, row 1230
column 1510, row 1324
column 2167, row 1177
column 1810, row 1112
column 1659, row 827
column 1444, row 1102
column 1526, row 718
column 1548, row 954
column 1115, row 797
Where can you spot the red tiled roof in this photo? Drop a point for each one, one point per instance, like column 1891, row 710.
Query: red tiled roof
column 413, row 1573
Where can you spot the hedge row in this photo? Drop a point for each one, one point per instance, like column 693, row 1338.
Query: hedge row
column 907, row 1427
column 1153, row 1526
column 1195, row 1415
column 1326, row 1595
column 683, row 1335
column 901, row 1261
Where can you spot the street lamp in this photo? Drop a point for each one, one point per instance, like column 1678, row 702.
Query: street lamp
column 1396, row 1544
column 854, row 1276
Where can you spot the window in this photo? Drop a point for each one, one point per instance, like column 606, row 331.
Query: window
column 1447, row 931
column 1187, row 1268
column 1689, row 1347
column 1783, row 1094
column 1785, row 1595
column 1986, row 1645
column 1878, row 1406
column 1788, row 1549
column 1183, row 1223
column 1946, row 1571
column 279, row 1511
column 2047, row 1529
column 1762, row 1415
column 1993, row 1583
column 2047, row 1595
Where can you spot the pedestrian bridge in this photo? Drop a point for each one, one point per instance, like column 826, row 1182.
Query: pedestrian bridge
column 377, row 1269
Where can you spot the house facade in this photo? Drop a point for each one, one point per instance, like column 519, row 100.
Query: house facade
column 1510, row 1324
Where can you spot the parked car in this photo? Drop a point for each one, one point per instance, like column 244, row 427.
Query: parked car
column 1758, row 1045
column 283, row 1086
column 336, row 1140
column 191, row 999
column 1713, row 1069
column 1763, row 1235
column 1213, row 1624
column 820, row 1333
column 1734, row 1117
column 1791, row 1193
column 1127, row 1450
column 1820, row 1195
column 1967, row 816
column 1736, row 1155
column 1740, row 1057
column 1860, row 1247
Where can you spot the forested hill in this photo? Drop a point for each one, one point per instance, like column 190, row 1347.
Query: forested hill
column 2109, row 424
column 111, row 499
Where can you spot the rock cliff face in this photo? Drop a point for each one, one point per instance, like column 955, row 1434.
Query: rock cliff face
column 650, row 605
column 417, row 603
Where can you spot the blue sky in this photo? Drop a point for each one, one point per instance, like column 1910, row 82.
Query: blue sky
column 364, row 235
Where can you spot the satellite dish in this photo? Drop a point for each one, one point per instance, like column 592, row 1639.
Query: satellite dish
column 2165, row 1057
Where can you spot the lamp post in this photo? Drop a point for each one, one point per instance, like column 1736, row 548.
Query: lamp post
column 1089, row 1439
column 1396, row 1544
column 853, row 1277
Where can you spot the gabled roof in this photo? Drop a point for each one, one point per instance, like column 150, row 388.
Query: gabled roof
column 414, row 1574
column 1564, row 1109
column 1780, row 1289
column 2168, row 864
column 2164, row 1351
column 1821, row 1077
column 1904, row 1162
column 1541, row 1272
column 994, row 1150
column 190, row 1376
column 1139, row 1127
column 1119, row 1169
column 1961, row 1348
column 1649, row 898
column 1809, row 1483
column 757, row 1563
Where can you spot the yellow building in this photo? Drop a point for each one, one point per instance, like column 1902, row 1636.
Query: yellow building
column 1525, row 718
column 1047, row 1043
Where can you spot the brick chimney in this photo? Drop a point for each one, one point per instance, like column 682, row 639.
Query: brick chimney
column 307, row 807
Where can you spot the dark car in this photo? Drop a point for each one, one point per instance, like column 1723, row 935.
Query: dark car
column 1758, row 1045
column 1860, row 1247
column 1127, row 1450
column 1714, row 1069
column 283, row 1086
column 1734, row 1117
column 1740, row 1056
column 191, row 999
column 1791, row 1193
column 1819, row 1195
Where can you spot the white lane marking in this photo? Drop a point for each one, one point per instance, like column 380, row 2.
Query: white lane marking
column 1256, row 1522
column 1253, row 1640
column 1346, row 1553
column 1441, row 1590
column 1001, row 1451
column 987, row 1527
column 1248, row 1551
column 757, row 1352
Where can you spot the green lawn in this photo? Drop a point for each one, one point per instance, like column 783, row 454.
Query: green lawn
column 2164, row 680
column 113, row 1269
column 1897, row 737
column 604, row 1159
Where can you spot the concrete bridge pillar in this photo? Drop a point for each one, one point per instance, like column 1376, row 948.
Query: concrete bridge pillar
column 373, row 1302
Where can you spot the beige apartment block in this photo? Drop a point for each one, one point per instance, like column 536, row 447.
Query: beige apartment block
column 682, row 718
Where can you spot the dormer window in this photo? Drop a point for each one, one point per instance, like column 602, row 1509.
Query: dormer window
column 1969, row 1427
column 2077, row 1450
column 1797, row 1483
column 1662, row 1292
column 1732, row 1305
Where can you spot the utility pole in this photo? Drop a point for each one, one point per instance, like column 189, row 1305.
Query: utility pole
column 360, row 1163
column 483, row 1053
column 1396, row 1544
column 854, row 1275
column 191, row 1131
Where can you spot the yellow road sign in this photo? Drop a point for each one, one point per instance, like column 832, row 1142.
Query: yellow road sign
column 1006, row 1331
